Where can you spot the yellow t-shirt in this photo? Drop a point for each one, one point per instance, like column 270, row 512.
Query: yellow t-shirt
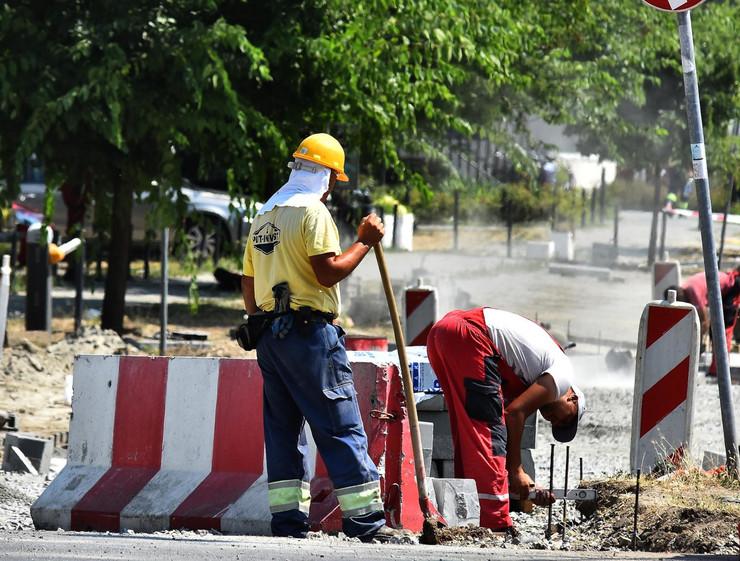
column 278, row 250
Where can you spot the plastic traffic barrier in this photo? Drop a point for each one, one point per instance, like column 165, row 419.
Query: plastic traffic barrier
column 420, row 310
column 665, row 275
column 665, row 373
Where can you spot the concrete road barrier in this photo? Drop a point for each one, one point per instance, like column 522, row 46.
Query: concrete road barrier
column 165, row 443
column 567, row 270
column 662, row 411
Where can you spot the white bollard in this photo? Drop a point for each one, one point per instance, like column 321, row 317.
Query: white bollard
column 420, row 308
column 665, row 275
column 663, row 408
column 4, row 296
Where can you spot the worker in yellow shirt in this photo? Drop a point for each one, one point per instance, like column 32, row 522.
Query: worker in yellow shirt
column 292, row 266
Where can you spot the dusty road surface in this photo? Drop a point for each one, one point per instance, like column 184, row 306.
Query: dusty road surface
column 50, row 546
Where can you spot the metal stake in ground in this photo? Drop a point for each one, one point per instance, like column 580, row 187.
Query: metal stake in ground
column 637, row 506
column 701, row 181
column 565, row 488
column 580, row 481
column 548, row 531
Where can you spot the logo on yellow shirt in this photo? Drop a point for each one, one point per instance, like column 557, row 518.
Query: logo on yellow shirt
column 266, row 238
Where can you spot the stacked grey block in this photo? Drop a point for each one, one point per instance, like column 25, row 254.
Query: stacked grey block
column 457, row 501
column 434, row 410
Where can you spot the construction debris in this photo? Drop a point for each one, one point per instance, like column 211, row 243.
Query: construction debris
column 24, row 452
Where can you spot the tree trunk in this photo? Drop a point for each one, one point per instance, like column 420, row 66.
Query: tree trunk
column 118, row 253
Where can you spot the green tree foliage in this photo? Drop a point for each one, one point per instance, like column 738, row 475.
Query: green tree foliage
column 117, row 95
column 113, row 94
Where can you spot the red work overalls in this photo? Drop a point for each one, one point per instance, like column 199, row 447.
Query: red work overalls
column 477, row 384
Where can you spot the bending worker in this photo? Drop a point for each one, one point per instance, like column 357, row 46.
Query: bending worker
column 292, row 266
column 496, row 368
column 695, row 292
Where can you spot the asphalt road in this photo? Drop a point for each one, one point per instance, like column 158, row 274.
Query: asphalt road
column 51, row 546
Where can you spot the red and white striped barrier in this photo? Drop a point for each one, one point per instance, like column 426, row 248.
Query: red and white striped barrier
column 662, row 410
column 166, row 443
column 665, row 275
column 420, row 312
column 716, row 216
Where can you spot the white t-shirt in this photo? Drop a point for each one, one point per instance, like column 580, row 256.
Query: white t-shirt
column 528, row 349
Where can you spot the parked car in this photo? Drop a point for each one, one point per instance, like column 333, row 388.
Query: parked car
column 212, row 221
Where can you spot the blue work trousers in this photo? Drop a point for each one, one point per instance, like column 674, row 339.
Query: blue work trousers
column 307, row 376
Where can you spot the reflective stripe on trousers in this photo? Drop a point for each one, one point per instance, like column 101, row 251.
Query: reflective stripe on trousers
column 288, row 495
column 358, row 500
column 489, row 497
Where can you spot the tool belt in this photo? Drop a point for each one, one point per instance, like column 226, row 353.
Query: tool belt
column 248, row 334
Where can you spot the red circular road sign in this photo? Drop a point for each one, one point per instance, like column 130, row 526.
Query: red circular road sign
column 673, row 5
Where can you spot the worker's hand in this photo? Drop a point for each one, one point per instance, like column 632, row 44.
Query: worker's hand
column 543, row 498
column 520, row 484
column 370, row 230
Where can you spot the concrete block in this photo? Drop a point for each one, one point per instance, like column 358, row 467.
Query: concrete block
column 712, row 460
column 37, row 450
column 442, row 449
column 529, row 435
column 457, row 501
column 443, row 469
column 564, row 247
column 542, row 251
column 528, row 463
column 569, row 270
column 427, row 443
column 604, row 254
column 432, row 402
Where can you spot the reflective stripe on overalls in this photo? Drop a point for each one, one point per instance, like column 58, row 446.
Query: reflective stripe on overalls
column 359, row 500
column 288, row 495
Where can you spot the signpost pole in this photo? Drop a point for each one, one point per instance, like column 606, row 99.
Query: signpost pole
column 701, row 181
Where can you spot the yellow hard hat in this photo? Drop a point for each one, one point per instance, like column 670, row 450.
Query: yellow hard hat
column 324, row 149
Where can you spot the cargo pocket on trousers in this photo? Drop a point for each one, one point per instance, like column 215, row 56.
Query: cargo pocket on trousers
column 483, row 401
column 342, row 407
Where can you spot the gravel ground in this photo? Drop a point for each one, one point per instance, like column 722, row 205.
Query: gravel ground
column 603, row 439
column 603, row 443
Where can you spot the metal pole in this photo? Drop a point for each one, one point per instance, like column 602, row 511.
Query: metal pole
column 654, row 222
column 13, row 257
column 394, row 239
column 602, row 196
column 163, row 301
column 616, row 226
column 548, row 532
column 583, row 208
column 456, row 218
column 663, row 227
column 730, row 197
column 701, row 181
column 637, row 506
column 593, row 204
column 79, row 287
column 4, row 296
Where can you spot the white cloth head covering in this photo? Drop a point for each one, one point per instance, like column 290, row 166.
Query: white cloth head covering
column 307, row 184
